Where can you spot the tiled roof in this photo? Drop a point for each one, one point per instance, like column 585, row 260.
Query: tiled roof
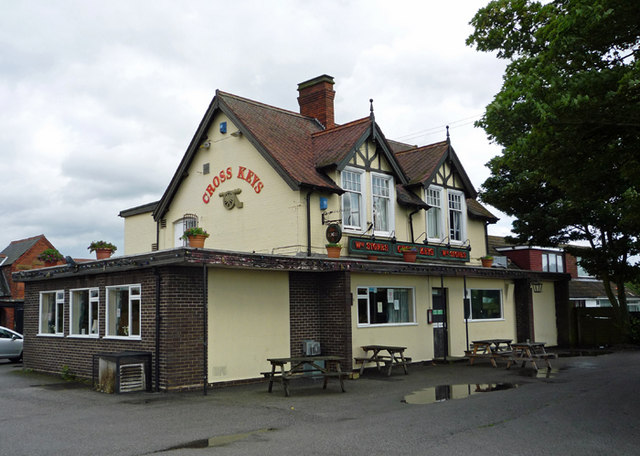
column 478, row 210
column 284, row 136
column 331, row 146
column 17, row 248
column 407, row 198
column 590, row 289
column 421, row 162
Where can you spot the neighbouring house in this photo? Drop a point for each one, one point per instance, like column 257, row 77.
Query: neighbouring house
column 272, row 188
column 20, row 255
column 584, row 289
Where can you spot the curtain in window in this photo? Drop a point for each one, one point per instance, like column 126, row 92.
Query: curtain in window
column 351, row 198
column 380, row 203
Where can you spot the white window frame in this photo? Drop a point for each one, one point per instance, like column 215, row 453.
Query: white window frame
column 463, row 218
column 363, row 200
column 179, row 229
column 58, row 306
column 500, row 318
column 93, row 298
column 108, row 311
column 440, row 218
column 390, row 204
column 557, row 265
column 368, row 289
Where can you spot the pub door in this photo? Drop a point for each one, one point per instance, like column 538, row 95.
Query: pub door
column 440, row 326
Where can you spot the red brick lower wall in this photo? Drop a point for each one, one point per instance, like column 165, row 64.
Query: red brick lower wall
column 320, row 309
column 181, row 326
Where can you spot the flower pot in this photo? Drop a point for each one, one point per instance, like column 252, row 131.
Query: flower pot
column 197, row 241
column 333, row 252
column 486, row 262
column 409, row 257
column 102, row 254
column 48, row 264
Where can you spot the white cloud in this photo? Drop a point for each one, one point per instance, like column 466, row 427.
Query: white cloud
column 102, row 99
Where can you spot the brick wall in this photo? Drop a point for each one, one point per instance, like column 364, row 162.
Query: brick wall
column 181, row 326
column 526, row 259
column 320, row 309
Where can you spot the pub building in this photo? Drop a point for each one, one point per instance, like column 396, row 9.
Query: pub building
column 273, row 188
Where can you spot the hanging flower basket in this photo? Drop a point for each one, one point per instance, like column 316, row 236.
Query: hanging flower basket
column 333, row 250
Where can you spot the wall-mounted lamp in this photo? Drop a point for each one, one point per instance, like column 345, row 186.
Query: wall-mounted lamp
column 536, row 287
column 236, row 134
column 206, row 144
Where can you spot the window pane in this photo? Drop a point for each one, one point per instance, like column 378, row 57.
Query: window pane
column 47, row 317
column 135, row 318
column 486, row 304
column 455, row 217
column 385, row 306
column 433, row 223
column 79, row 312
column 381, row 202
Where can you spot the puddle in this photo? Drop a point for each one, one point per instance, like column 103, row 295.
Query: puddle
column 443, row 393
column 218, row 441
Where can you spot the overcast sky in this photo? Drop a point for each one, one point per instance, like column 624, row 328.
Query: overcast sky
column 100, row 99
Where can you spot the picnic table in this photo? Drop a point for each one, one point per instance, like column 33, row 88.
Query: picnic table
column 395, row 357
column 530, row 352
column 298, row 366
column 491, row 349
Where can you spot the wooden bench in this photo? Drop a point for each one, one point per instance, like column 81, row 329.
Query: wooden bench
column 490, row 356
column 532, row 359
column 285, row 377
column 385, row 359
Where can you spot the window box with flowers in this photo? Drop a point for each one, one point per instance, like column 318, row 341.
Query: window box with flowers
column 103, row 249
column 196, row 236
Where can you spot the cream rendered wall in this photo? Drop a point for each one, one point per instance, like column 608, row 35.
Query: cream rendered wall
column 139, row 233
column 271, row 214
column 417, row 337
column 544, row 315
column 504, row 328
column 246, row 324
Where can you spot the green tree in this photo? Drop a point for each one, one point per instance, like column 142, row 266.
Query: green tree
column 568, row 119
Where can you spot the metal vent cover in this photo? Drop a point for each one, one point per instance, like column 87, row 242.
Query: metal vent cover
column 132, row 377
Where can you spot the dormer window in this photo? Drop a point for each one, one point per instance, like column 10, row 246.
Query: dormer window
column 381, row 193
column 434, row 214
column 456, row 216
column 446, row 217
column 353, row 199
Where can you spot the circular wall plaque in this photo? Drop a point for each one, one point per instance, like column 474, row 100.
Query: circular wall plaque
column 334, row 233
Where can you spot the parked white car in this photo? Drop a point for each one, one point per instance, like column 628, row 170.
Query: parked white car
column 10, row 344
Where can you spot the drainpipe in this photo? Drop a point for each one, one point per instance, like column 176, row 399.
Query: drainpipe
column 467, row 309
column 157, row 367
column 411, row 223
column 205, row 329
column 309, row 222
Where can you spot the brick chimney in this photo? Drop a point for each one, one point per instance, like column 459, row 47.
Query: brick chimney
column 316, row 99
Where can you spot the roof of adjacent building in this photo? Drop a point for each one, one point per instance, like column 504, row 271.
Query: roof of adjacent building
column 301, row 151
column 590, row 289
column 18, row 248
